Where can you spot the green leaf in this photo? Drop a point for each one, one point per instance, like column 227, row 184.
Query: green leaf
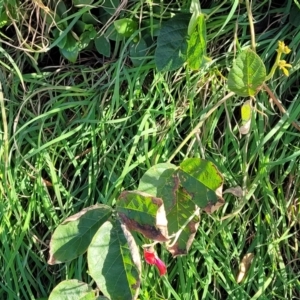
column 180, row 208
column 204, row 171
column 80, row 27
column 63, row 41
column 112, row 34
column 70, row 55
column 61, row 10
column 89, row 18
column 137, row 52
column 144, row 213
column 110, row 6
column 92, row 33
column 171, row 50
column 247, row 74
column 85, row 38
column 200, row 179
column 114, row 262
column 73, row 236
column 103, row 45
column 197, row 44
column 125, row 27
column 72, row 290
column 182, row 194
column 60, row 14
column 155, row 178
column 201, row 194
column 196, row 183
column 71, row 43
column 3, row 19
column 90, row 296
column 71, row 48
column 80, row 3
column 203, row 181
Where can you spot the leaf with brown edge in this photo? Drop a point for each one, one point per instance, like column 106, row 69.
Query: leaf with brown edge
column 179, row 207
column 210, row 208
column 133, row 248
column 144, row 213
column 180, row 224
column 114, row 261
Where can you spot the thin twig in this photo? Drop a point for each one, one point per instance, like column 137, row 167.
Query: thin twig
column 251, row 24
column 279, row 105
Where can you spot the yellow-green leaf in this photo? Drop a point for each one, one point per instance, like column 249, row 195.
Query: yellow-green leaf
column 247, row 74
column 197, row 44
column 246, row 112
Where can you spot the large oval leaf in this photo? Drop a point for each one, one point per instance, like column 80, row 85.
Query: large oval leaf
column 114, row 262
column 102, row 45
column 138, row 52
column 72, row 290
column 170, row 53
column 155, row 178
column 247, row 74
column 73, row 236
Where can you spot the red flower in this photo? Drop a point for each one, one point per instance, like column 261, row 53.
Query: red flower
column 152, row 259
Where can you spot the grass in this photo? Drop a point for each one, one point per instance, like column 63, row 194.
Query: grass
column 76, row 134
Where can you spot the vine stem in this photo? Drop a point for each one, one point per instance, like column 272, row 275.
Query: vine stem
column 251, row 24
column 278, row 104
column 195, row 130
